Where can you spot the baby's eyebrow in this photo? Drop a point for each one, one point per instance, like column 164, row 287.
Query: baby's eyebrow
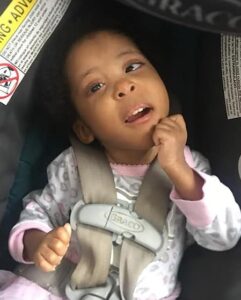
column 127, row 52
column 89, row 71
column 121, row 54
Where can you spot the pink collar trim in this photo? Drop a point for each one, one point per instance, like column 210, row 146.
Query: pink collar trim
column 129, row 170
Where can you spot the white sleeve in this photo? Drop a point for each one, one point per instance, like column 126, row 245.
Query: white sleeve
column 49, row 208
column 215, row 220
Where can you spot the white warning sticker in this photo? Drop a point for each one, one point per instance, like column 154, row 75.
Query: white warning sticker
column 10, row 77
column 231, row 74
column 25, row 26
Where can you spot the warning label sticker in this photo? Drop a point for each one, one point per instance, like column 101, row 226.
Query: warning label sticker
column 231, row 74
column 9, row 78
column 25, row 26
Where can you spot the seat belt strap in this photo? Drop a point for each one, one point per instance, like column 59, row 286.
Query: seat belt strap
column 97, row 186
column 96, row 243
column 151, row 205
column 96, row 176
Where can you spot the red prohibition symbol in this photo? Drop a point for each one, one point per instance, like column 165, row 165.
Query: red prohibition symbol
column 9, row 78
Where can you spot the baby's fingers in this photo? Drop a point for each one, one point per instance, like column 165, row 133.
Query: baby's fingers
column 67, row 227
column 63, row 233
column 160, row 134
column 47, row 262
column 45, row 266
column 179, row 120
column 60, row 239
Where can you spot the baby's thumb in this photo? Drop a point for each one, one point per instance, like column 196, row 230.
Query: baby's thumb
column 68, row 228
column 179, row 120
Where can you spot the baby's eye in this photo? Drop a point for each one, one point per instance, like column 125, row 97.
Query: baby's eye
column 133, row 66
column 95, row 87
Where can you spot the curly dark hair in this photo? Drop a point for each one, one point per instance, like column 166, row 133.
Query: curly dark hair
column 95, row 15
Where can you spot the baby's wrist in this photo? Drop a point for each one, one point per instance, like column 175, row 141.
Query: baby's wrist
column 176, row 167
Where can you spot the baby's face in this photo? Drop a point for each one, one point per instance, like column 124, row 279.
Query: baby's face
column 116, row 91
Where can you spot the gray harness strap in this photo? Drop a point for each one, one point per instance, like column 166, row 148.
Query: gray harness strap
column 96, row 243
column 98, row 187
column 152, row 205
column 153, row 199
column 95, row 174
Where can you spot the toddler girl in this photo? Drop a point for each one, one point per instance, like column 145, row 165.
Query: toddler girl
column 112, row 94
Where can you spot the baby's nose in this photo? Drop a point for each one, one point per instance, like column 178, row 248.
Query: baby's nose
column 123, row 89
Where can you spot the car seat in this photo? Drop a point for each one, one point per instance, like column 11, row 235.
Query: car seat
column 194, row 35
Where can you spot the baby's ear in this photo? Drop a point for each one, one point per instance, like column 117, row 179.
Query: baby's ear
column 83, row 132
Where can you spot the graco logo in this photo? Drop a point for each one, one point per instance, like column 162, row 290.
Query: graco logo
column 204, row 14
column 126, row 222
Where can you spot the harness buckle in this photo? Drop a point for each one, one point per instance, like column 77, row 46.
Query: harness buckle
column 122, row 222
column 109, row 291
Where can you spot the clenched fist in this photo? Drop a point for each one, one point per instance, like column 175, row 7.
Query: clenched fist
column 46, row 250
column 170, row 136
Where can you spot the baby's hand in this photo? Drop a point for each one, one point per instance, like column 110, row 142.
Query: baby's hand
column 52, row 248
column 170, row 137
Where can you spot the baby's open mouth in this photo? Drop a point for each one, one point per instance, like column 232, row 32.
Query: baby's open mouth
column 138, row 114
